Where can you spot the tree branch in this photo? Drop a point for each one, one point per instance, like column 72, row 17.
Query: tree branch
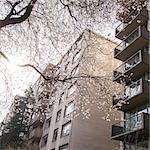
column 29, row 65
column 4, row 56
column 9, row 19
column 57, row 78
column 47, row 78
column 69, row 10
column 12, row 9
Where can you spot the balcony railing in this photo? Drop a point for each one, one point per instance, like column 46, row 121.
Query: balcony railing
column 133, row 89
column 132, row 96
column 135, row 66
column 130, row 39
column 129, row 19
column 38, row 120
column 138, row 39
column 127, row 65
column 129, row 92
column 132, row 124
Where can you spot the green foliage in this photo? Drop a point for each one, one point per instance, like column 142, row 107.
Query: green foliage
column 15, row 130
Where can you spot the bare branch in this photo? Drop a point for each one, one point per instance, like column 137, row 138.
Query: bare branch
column 69, row 10
column 57, row 78
column 4, row 56
column 29, row 65
column 9, row 19
column 13, row 11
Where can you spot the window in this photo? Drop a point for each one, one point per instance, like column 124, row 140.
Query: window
column 71, row 90
column 62, row 96
column 55, row 135
column 66, row 66
column 51, row 106
column 58, row 116
column 44, row 140
column 69, row 109
column 66, row 128
column 76, row 56
column 75, row 71
column 63, row 147
column 47, row 123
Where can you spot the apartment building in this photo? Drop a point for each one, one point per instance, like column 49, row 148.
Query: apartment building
column 133, row 75
column 79, row 115
column 41, row 90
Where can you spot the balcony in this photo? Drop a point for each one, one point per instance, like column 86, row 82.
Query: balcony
column 37, row 121
column 36, row 134
column 133, row 95
column 126, row 129
column 138, row 64
column 132, row 21
column 138, row 39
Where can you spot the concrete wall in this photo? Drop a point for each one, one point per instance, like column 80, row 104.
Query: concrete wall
column 90, row 55
column 91, row 130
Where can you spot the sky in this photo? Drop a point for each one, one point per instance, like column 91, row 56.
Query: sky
column 44, row 42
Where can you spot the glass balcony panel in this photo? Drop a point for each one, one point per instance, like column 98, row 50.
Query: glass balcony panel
column 132, row 95
column 127, row 20
column 134, row 122
column 132, row 89
column 138, row 122
column 130, row 63
column 127, row 125
column 129, row 92
column 134, row 35
column 118, row 71
column 131, row 124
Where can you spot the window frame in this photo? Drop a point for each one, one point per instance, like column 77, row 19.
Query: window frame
column 69, row 104
column 47, row 123
column 63, row 126
column 44, row 140
column 58, row 116
column 55, row 135
column 63, row 146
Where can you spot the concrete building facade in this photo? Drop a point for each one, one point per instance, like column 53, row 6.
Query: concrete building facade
column 79, row 113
